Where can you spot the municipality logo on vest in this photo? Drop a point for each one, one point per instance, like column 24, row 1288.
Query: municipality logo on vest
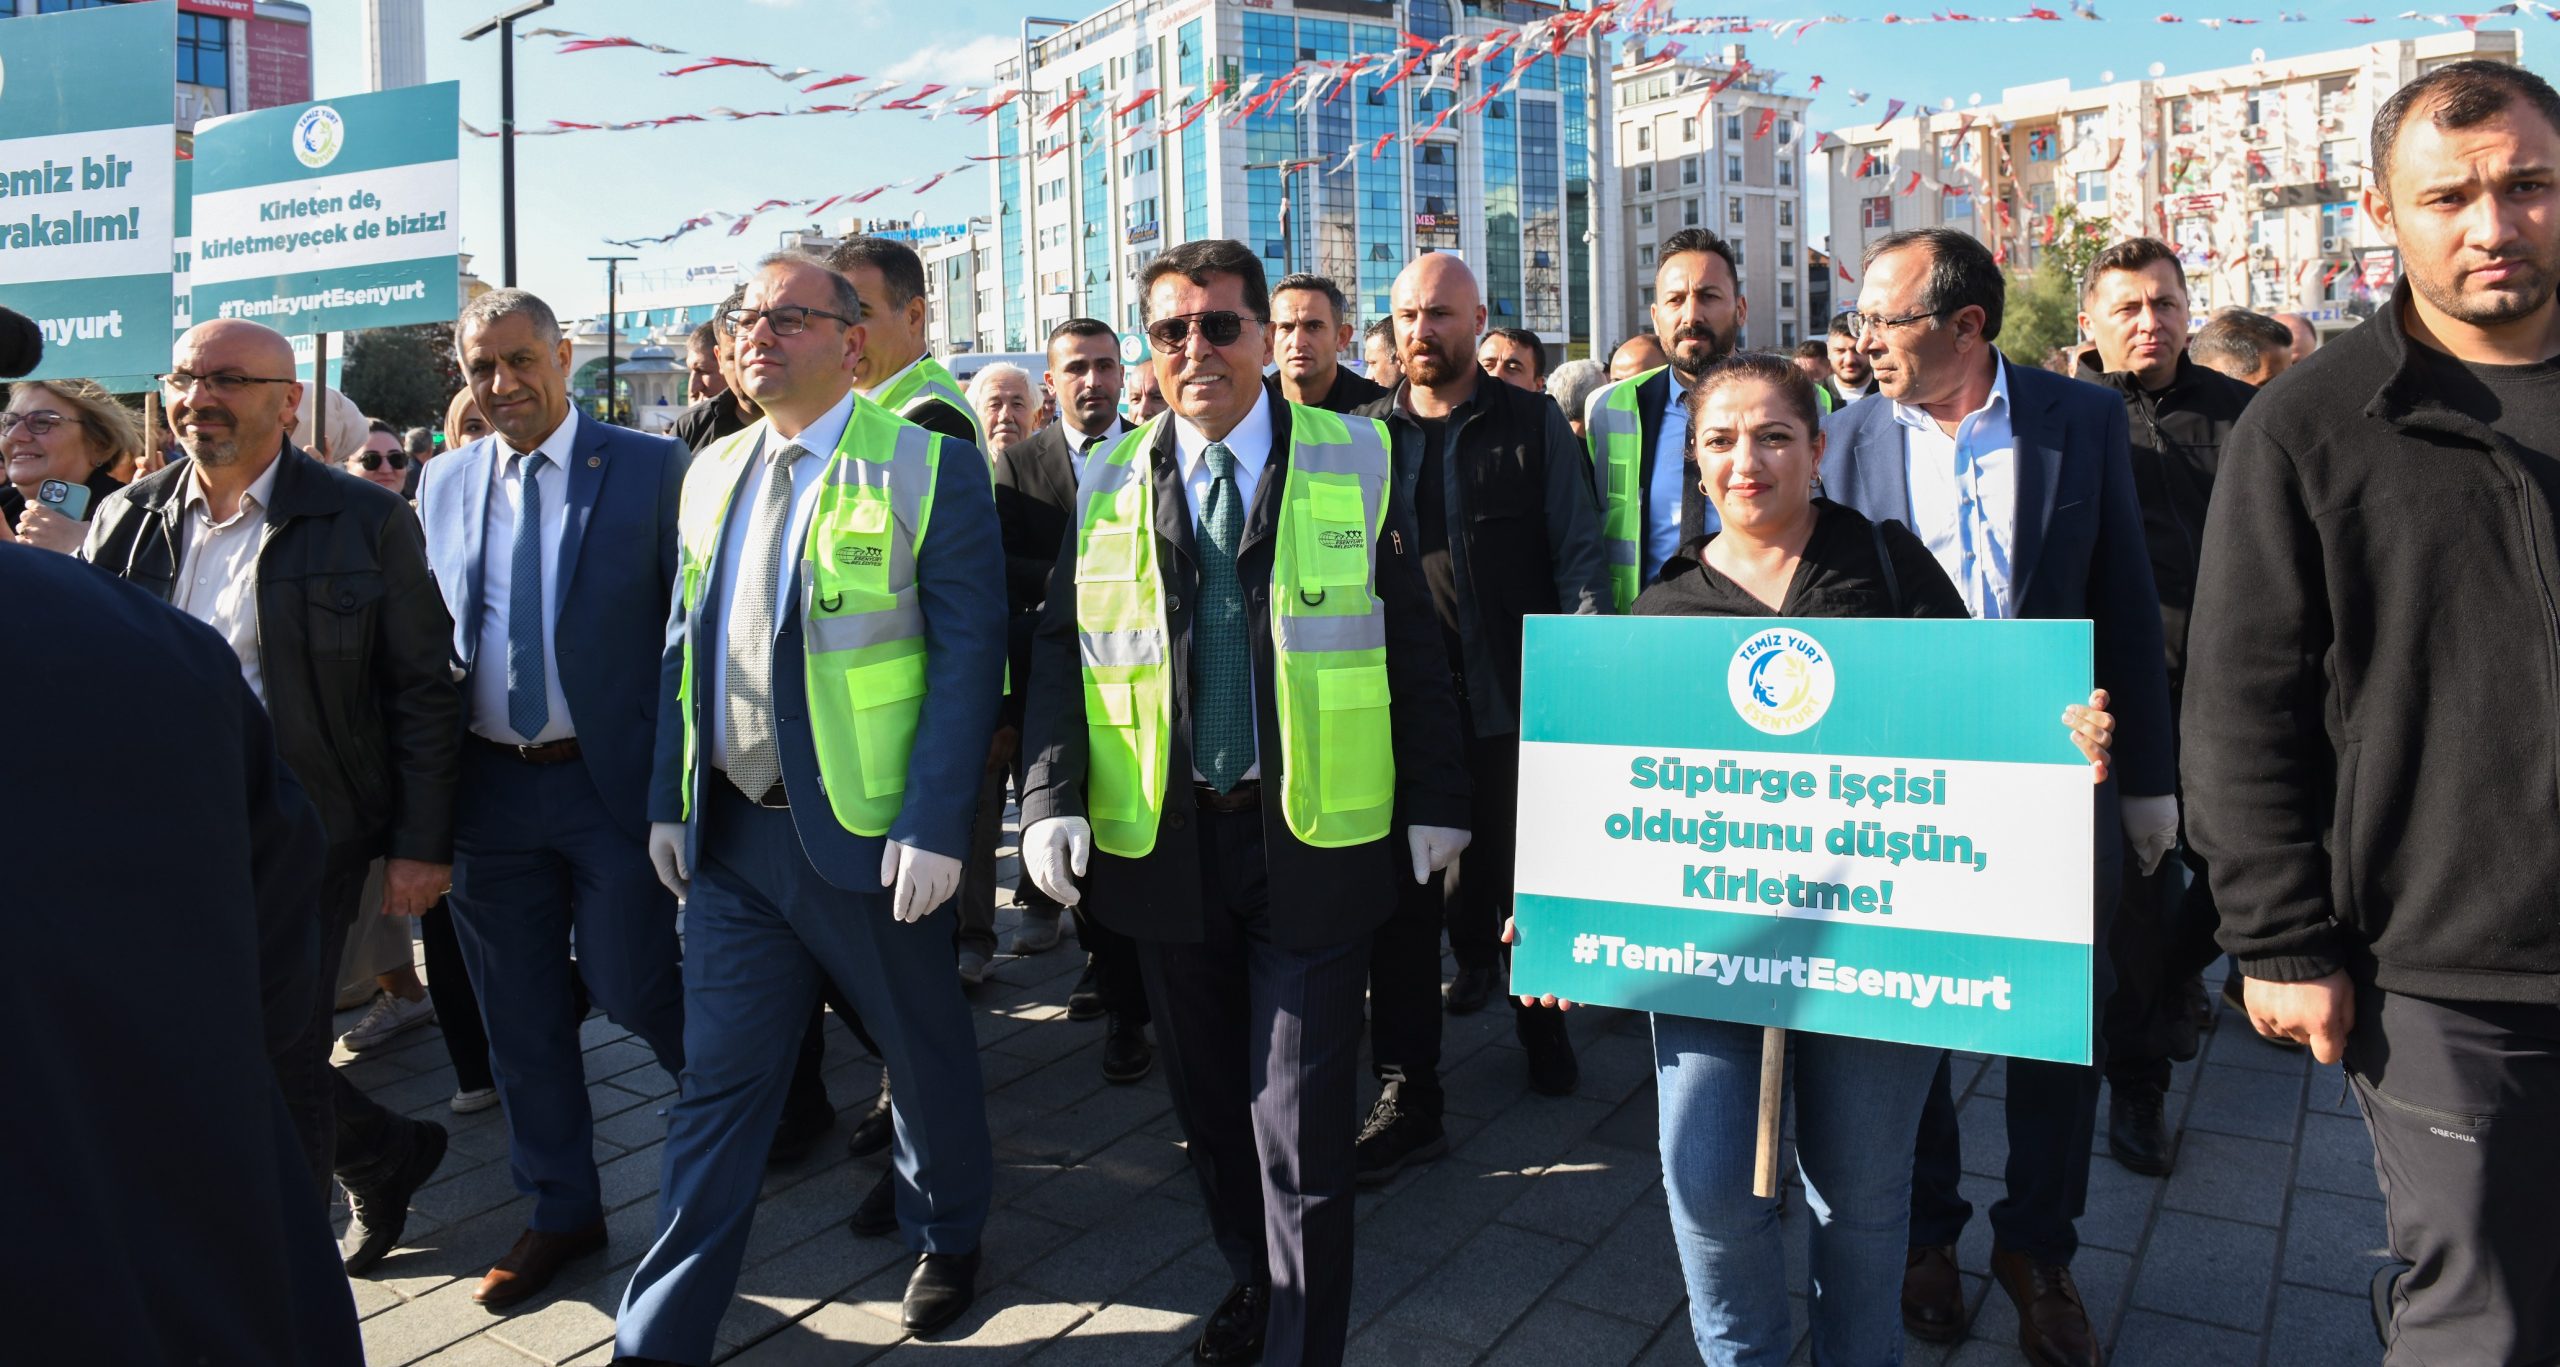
column 318, row 135
column 1780, row 681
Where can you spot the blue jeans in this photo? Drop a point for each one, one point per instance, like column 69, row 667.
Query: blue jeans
column 1857, row 1113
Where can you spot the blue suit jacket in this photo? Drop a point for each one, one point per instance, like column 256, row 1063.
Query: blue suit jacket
column 960, row 582
column 2078, row 549
column 617, row 571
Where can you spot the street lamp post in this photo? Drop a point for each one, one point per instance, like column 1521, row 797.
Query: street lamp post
column 612, row 328
column 1288, row 260
column 505, row 27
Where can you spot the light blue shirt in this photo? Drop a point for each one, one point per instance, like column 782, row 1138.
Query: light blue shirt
column 817, row 445
column 1670, row 485
column 497, row 585
column 1964, row 494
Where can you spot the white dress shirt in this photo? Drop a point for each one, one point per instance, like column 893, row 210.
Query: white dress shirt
column 1251, row 444
column 817, row 445
column 497, row 585
column 218, row 566
column 1964, row 494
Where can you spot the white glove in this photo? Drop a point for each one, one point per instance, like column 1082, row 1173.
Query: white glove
column 1054, row 852
column 666, row 855
column 2151, row 823
column 924, row 880
column 1434, row 847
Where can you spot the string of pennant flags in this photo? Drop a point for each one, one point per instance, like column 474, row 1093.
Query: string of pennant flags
column 1453, row 63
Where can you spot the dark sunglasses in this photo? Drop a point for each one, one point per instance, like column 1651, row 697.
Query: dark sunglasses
column 373, row 460
column 1220, row 326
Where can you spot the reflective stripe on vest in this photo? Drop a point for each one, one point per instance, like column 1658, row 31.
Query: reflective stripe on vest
column 924, row 384
column 1616, row 426
column 862, row 627
column 1328, row 633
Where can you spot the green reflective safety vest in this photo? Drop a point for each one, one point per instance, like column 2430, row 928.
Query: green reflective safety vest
column 926, row 382
column 1328, row 636
column 862, row 627
column 1616, row 428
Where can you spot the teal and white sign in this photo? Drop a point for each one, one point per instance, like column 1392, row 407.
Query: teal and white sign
column 332, row 216
column 87, row 161
column 1873, row 827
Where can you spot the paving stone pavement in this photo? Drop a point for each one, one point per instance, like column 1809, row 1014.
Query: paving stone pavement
column 1542, row 1238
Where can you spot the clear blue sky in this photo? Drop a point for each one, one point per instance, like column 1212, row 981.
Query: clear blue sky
column 576, row 190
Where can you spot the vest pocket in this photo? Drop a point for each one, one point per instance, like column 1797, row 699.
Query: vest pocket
column 1116, row 783
column 1353, row 743
column 888, row 697
column 1335, row 542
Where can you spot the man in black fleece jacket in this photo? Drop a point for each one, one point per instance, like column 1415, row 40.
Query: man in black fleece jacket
column 2372, row 764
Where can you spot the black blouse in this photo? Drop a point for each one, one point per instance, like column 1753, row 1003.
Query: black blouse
column 1839, row 575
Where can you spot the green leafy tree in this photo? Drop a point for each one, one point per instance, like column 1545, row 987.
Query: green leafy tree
column 2043, row 310
column 403, row 375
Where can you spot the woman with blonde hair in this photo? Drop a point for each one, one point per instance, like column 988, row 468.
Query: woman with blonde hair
column 67, row 431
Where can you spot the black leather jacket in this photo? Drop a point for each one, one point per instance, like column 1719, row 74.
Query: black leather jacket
column 355, row 649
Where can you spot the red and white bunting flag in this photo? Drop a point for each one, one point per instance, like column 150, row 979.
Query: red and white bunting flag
column 1768, row 120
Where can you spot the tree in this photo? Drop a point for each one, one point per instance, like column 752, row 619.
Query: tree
column 403, row 375
column 2044, row 305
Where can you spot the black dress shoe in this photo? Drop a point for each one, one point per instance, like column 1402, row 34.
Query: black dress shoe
column 873, row 1132
column 2135, row 1132
column 1397, row 1133
column 1126, row 1055
column 1084, row 1000
column 1553, row 1070
column 801, row 1128
column 378, row 1211
column 1932, row 1294
column 1233, row 1335
column 878, row 1213
column 1470, row 990
column 943, row 1288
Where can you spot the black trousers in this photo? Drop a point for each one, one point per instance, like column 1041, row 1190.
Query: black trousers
column 1404, row 956
column 2463, row 1102
column 2162, row 937
column 1261, row 1046
column 1115, row 966
column 457, row 1006
column 2052, row 1112
column 342, row 1130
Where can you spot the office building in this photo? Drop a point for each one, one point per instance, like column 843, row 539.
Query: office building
column 233, row 55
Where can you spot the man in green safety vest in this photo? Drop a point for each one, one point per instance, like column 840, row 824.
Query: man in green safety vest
column 1639, row 428
column 898, row 371
column 833, row 667
column 1242, row 701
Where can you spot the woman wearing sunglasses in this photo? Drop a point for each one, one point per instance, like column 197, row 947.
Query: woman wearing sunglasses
column 1756, row 440
column 381, row 461
column 74, row 435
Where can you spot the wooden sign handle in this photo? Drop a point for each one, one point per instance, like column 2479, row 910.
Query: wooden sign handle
column 1773, row 1082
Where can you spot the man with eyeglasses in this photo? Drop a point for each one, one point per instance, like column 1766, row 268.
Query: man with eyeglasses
column 319, row 582
column 1638, row 427
column 554, row 542
column 829, row 685
column 2020, row 481
column 1239, row 817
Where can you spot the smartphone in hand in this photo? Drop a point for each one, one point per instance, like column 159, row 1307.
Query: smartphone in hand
column 65, row 497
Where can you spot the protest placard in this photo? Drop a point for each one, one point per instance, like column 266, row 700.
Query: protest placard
column 1862, row 827
column 331, row 216
column 87, row 156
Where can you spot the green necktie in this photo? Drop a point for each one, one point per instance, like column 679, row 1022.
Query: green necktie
column 1221, row 659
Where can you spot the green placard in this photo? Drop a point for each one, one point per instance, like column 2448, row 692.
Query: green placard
column 1877, row 828
column 331, row 216
column 87, row 148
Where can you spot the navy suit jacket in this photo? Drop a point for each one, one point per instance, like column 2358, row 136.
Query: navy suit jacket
column 960, row 583
column 617, row 571
column 2077, row 552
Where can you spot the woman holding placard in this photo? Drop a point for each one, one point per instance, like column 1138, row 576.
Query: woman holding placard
column 1756, row 441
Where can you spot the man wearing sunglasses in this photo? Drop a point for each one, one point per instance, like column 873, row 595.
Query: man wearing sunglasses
column 553, row 540
column 828, row 689
column 1238, row 703
column 1505, row 526
column 319, row 582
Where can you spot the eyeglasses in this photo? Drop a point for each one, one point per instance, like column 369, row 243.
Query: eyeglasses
column 1221, row 327
column 1862, row 325
column 37, row 423
column 373, row 460
column 224, row 386
column 788, row 321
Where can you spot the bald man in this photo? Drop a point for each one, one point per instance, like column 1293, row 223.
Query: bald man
column 318, row 580
column 1635, row 356
column 2305, row 339
column 1520, row 534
